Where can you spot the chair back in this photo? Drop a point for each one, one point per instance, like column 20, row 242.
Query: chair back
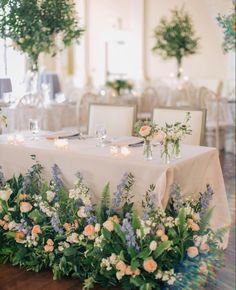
column 118, row 120
column 177, row 114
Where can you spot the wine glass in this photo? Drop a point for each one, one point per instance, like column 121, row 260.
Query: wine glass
column 101, row 134
column 34, row 128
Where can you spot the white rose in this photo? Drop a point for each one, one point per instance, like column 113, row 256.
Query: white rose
column 97, row 228
column 5, row 194
column 50, row 195
column 81, row 212
column 12, row 225
column 153, row 245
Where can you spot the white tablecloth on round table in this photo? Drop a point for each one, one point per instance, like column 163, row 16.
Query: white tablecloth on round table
column 198, row 166
column 52, row 118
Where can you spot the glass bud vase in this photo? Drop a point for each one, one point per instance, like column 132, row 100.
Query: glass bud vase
column 176, row 149
column 166, row 152
column 147, row 149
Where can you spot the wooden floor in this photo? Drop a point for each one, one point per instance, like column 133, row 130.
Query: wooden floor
column 13, row 278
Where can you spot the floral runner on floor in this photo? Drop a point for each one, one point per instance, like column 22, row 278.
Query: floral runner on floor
column 44, row 225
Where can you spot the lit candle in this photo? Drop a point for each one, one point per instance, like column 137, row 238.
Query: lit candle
column 125, row 150
column 114, row 150
column 10, row 139
column 61, row 143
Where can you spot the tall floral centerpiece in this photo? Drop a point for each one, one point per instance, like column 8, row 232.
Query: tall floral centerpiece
column 39, row 26
column 146, row 130
column 175, row 37
column 228, row 24
column 172, row 136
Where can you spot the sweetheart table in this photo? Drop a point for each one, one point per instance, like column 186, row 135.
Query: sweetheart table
column 197, row 167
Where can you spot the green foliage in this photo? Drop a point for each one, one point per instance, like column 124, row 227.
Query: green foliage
column 175, row 37
column 228, row 24
column 39, row 26
column 115, row 247
column 119, row 85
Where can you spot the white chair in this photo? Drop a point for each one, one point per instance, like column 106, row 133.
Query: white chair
column 118, row 120
column 172, row 114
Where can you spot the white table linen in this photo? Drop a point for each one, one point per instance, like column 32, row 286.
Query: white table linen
column 198, row 166
column 52, row 118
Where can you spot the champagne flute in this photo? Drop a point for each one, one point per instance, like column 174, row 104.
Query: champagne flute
column 34, row 128
column 101, row 134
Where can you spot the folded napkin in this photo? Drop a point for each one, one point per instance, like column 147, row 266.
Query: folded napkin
column 127, row 141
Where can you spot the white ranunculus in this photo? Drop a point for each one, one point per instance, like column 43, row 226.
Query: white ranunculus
column 81, row 212
column 153, row 245
column 50, row 195
column 5, row 194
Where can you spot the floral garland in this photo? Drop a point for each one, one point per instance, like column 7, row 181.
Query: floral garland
column 43, row 225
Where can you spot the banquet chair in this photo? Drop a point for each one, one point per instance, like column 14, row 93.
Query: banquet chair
column 118, row 120
column 197, row 122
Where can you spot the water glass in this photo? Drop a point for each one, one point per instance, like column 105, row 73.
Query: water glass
column 101, row 134
column 34, row 128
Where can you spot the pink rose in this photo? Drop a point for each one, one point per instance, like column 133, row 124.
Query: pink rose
column 48, row 248
column 128, row 271
column 205, row 247
column 136, row 272
column 150, row 265
column 36, row 230
column 145, row 131
column 25, row 206
column 164, row 238
column 192, row 252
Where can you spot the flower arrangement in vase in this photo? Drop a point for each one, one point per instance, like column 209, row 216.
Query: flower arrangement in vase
column 175, row 38
column 146, row 130
column 119, row 85
column 172, row 136
column 44, row 225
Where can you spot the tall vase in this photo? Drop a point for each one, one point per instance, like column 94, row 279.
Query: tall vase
column 179, row 68
column 176, row 149
column 166, row 152
column 147, row 149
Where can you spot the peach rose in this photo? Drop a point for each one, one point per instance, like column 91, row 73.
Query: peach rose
column 128, row 271
column 6, row 227
column 48, row 248
column 50, row 242
column 5, row 194
column 189, row 222
column 2, row 223
column 67, row 227
column 25, row 207
column 203, row 268
column 196, row 216
column 121, row 266
column 119, row 275
column 150, row 265
column 136, row 272
column 19, row 236
column 159, row 233
column 192, row 252
column 36, row 230
column 205, row 247
column 195, row 227
column 145, row 131
column 108, row 225
column 164, row 238
column 23, row 196
column 89, row 230
column 115, row 219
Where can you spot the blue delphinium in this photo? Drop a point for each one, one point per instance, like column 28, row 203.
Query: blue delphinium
column 128, row 230
column 205, row 199
column 55, row 222
column 117, row 195
column 91, row 219
column 177, row 197
column 56, row 173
